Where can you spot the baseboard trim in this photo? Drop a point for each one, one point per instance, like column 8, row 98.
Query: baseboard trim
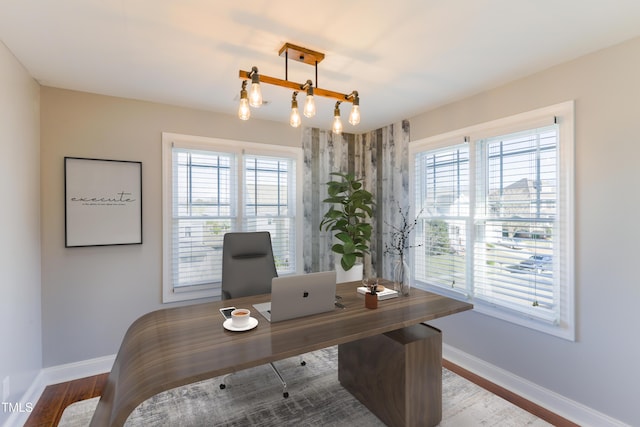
column 59, row 374
column 77, row 370
column 31, row 396
column 558, row 404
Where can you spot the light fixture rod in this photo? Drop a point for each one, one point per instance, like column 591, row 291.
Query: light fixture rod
column 242, row 74
column 307, row 56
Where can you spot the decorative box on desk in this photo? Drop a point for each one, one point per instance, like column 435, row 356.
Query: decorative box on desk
column 382, row 295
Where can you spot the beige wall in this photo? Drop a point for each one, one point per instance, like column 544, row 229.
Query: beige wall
column 91, row 295
column 599, row 369
column 20, row 340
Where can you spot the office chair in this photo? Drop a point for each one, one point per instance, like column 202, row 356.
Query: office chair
column 247, row 269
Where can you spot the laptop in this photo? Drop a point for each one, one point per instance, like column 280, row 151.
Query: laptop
column 299, row 295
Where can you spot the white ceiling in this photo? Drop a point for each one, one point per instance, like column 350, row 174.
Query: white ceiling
column 404, row 57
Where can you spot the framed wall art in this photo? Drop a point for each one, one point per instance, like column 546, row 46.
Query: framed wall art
column 103, row 202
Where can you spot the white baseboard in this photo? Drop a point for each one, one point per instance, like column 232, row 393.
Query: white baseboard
column 558, row 404
column 77, row 370
column 55, row 375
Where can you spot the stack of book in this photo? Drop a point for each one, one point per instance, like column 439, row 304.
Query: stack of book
column 382, row 295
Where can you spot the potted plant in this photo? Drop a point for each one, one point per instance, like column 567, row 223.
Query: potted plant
column 351, row 206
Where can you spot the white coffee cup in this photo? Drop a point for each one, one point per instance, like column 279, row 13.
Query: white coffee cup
column 240, row 317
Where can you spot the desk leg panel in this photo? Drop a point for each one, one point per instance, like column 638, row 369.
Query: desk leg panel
column 397, row 375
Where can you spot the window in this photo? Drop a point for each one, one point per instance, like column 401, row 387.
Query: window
column 495, row 214
column 212, row 186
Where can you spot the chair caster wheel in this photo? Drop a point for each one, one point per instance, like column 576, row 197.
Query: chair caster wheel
column 285, row 394
column 303, row 363
column 223, row 386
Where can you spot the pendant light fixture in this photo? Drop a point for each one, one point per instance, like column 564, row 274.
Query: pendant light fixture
column 255, row 95
column 244, row 112
column 307, row 56
column 309, row 102
column 337, row 123
column 294, row 119
column 354, row 115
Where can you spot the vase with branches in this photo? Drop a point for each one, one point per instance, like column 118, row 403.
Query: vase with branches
column 398, row 246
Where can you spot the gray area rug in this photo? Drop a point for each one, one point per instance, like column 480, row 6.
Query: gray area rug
column 254, row 398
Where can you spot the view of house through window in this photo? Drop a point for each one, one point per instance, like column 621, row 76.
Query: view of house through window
column 495, row 223
column 516, row 211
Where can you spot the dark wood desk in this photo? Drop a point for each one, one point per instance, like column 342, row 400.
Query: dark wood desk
column 172, row 347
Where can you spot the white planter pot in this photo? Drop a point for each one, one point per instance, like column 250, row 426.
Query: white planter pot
column 352, row 275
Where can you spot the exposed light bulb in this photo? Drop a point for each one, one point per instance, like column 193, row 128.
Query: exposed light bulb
column 294, row 119
column 309, row 109
column 337, row 123
column 309, row 106
column 354, row 115
column 244, row 112
column 255, row 94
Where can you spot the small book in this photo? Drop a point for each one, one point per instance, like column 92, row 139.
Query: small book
column 382, row 295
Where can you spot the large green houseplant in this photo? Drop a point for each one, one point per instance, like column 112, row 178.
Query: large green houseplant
column 351, row 206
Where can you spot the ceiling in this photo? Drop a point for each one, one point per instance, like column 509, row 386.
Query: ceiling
column 403, row 57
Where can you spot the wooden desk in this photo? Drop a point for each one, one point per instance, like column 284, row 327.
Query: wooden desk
column 172, row 347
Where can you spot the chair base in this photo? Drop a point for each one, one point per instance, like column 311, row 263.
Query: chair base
column 285, row 392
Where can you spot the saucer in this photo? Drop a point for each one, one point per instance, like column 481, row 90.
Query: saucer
column 253, row 322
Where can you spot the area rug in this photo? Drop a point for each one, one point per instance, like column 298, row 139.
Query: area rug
column 254, row 398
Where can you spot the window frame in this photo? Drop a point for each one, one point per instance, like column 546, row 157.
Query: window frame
column 239, row 149
column 563, row 115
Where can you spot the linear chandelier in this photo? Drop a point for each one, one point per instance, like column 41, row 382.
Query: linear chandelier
column 253, row 98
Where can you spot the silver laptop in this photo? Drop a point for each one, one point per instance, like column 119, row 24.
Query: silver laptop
column 299, row 295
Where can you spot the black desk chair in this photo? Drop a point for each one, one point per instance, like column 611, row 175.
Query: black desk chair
column 247, row 269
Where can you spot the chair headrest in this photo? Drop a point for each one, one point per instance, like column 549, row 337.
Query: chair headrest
column 247, row 245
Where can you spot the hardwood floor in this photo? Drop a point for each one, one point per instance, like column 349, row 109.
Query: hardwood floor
column 509, row 396
column 57, row 397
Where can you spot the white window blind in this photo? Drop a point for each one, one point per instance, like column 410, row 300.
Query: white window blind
column 204, row 208
column 269, row 205
column 442, row 193
column 495, row 218
column 215, row 186
column 515, row 220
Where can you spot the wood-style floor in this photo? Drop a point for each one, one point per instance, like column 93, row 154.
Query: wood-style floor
column 56, row 398
column 509, row 396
